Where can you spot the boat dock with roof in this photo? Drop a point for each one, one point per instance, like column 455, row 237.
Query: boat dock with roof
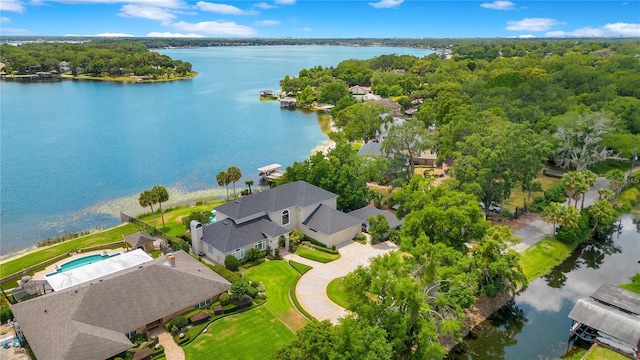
column 610, row 316
column 271, row 172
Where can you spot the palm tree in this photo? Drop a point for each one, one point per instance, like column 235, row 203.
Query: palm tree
column 553, row 213
column 223, row 180
column 616, row 179
column 160, row 195
column 570, row 217
column 234, row 174
column 602, row 212
column 570, row 181
column 249, row 183
column 604, row 193
column 590, row 178
column 146, row 199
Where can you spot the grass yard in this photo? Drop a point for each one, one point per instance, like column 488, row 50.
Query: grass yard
column 299, row 267
column 316, row 255
column 539, row 259
column 277, row 277
column 173, row 219
column 602, row 353
column 46, row 253
column 253, row 334
column 335, row 292
column 517, row 195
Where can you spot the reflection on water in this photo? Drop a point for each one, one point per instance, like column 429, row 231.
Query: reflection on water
column 535, row 325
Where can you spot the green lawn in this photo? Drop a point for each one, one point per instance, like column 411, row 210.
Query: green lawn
column 517, row 195
column 602, row 353
column 335, row 292
column 277, row 276
column 316, row 255
column 253, row 334
column 299, row 267
column 173, row 219
column 539, row 259
column 46, row 253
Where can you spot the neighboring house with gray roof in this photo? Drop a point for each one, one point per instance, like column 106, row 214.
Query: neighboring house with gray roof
column 366, row 212
column 96, row 320
column 259, row 221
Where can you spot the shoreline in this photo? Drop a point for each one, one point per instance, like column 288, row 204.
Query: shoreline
column 119, row 79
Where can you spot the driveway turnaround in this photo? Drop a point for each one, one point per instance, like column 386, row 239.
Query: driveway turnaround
column 312, row 286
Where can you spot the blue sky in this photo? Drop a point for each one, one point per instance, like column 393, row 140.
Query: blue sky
column 321, row 19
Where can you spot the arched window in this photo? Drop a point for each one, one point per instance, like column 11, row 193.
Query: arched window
column 285, row 217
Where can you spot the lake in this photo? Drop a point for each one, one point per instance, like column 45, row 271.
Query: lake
column 76, row 153
column 535, row 325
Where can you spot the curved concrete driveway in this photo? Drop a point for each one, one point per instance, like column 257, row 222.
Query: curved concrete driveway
column 312, row 286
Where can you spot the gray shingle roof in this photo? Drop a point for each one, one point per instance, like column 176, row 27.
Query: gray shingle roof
column 370, row 149
column 298, row 193
column 607, row 319
column 364, row 213
column 227, row 236
column 139, row 239
column 89, row 321
column 327, row 220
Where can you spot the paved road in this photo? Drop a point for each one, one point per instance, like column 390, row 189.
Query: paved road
column 536, row 229
column 311, row 290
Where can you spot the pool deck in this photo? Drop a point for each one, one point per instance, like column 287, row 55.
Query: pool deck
column 52, row 268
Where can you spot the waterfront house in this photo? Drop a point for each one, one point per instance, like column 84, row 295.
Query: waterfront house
column 611, row 316
column 64, row 67
column 262, row 219
column 288, row 103
column 360, row 90
column 97, row 320
column 266, row 93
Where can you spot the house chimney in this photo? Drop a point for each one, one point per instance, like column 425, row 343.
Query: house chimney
column 171, row 259
column 197, row 234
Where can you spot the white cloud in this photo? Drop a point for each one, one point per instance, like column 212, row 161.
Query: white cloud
column 266, row 23
column 383, row 4
column 623, row 29
column 215, row 28
column 285, row 2
column 608, row 30
column 146, row 12
column 264, row 6
column 15, row 31
column 11, row 5
column 172, row 35
column 172, row 4
column 499, row 5
column 526, row 36
column 113, row 35
column 4, row 20
column 532, row 24
column 306, row 29
column 223, row 9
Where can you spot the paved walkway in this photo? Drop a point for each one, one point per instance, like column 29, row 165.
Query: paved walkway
column 171, row 349
column 311, row 290
column 537, row 229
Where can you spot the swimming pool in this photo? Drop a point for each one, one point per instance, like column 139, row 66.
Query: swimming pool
column 85, row 260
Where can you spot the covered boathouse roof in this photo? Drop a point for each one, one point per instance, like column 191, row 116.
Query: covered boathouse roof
column 613, row 311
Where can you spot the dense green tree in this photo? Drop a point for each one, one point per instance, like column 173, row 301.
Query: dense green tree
column 306, row 96
column 443, row 215
column 332, row 92
column 239, row 290
column 407, row 140
column 361, row 121
column 379, row 228
column 553, row 213
column 203, row 217
column 500, row 269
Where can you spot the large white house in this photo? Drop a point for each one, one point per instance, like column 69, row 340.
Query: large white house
column 260, row 220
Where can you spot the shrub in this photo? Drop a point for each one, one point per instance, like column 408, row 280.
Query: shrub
column 239, row 290
column 556, row 193
column 179, row 322
column 572, row 236
column 361, row 238
column 320, row 248
column 224, row 272
column 538, row 204
column 253, row 292
column 231, row 263
column 5, row 314
column 225, row 299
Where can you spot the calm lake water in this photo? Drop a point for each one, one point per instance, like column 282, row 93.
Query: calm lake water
column 76, row 153
column 535, row 325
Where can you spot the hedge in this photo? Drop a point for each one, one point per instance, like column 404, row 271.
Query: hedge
column 320, row 248
column 231, row 276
